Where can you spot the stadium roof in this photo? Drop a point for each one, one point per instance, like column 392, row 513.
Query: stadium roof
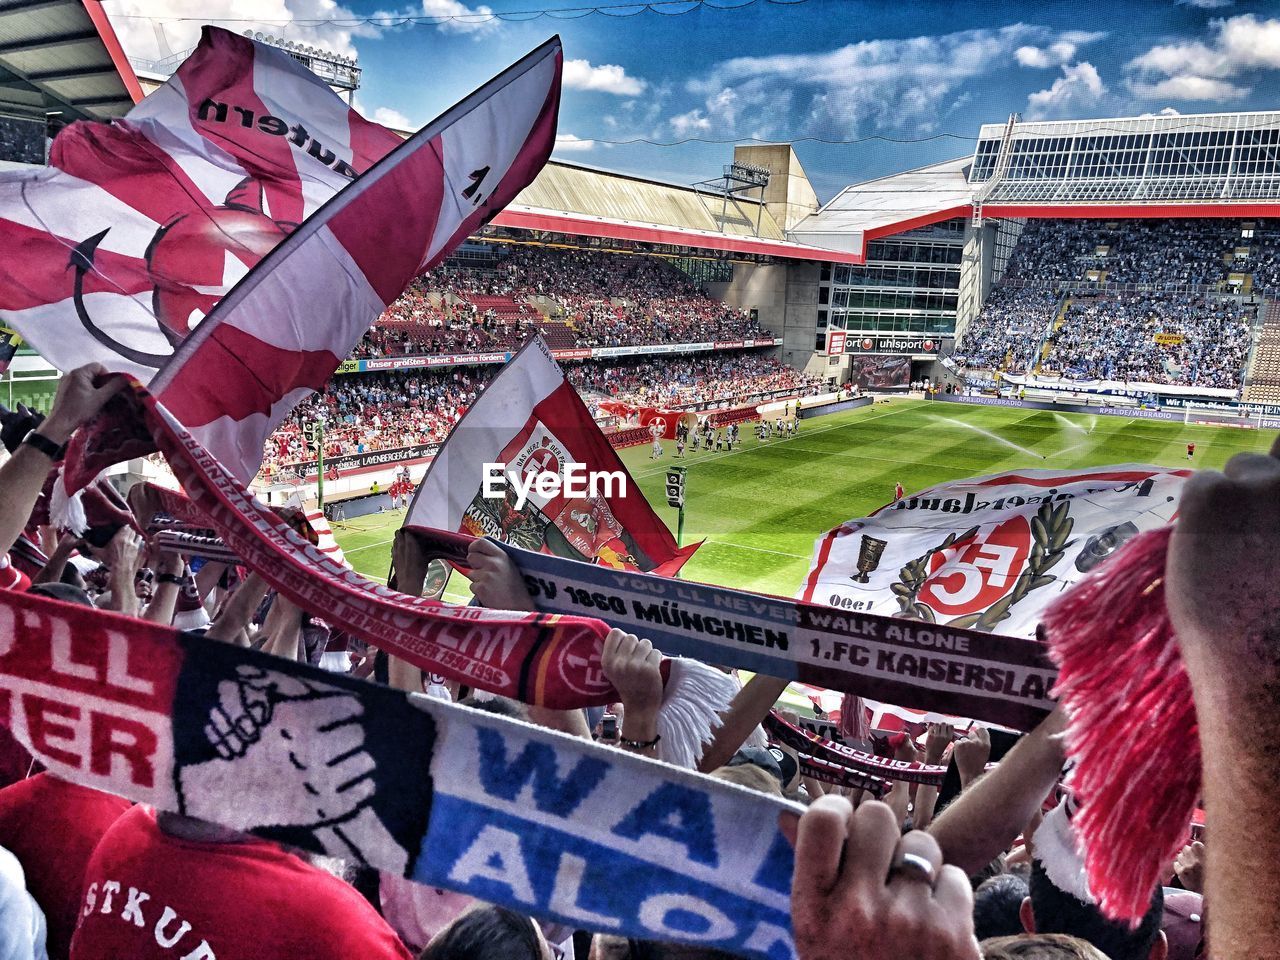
column 584, row 201
column 1181, row 165
column 889, row 205
column 61, row 57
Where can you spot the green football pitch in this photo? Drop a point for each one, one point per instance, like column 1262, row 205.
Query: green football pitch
column 760, row 507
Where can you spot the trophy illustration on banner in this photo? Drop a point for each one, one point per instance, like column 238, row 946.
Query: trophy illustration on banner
column 870, row 550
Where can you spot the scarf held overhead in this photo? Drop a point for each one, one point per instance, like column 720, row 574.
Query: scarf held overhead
column 1002, row 680
column 542, row 659
column 517, row 815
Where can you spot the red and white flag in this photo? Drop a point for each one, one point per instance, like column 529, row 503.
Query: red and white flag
column 136, row 229
column 989, row 553
column 530, row 419
column 286, row 324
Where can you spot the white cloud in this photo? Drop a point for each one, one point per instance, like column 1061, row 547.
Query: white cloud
column 605, row 78
column 894, row 83
column 691, row 123
column 392, row 118
column 1199, row 70
column 475, row 19
column 1078, row 88
column 1058, row 52
column 1189, row 87
column 568, row 143
column 149, row 39
column 1205, row 4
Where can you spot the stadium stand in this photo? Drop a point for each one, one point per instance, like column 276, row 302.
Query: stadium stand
column 1114, row 338
column 577, row 298
column 1138, row 277
column 384, row 411
column 1264, row 385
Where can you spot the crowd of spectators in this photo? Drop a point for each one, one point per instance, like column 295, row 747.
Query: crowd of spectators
column 1008, row 332
column 385, row 411
column 606, row 299
column 1183, row 281
column 376, row 411
column 704, row 380
column 913, row 876
column 1114, row 338
column 1153, row 252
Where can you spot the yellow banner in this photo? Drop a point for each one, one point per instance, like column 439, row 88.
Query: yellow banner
column 1169, row 339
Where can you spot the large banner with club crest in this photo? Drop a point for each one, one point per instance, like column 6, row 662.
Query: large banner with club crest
column 991, row 552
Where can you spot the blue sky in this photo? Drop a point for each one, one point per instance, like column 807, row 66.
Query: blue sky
column 827, row 69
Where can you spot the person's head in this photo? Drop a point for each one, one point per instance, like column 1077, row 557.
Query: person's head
column 997, row 906
column 750, row 776
column 62, row 591
column 607, row 947
column 488, row 933
column 1051, row 910
column 1040, row 946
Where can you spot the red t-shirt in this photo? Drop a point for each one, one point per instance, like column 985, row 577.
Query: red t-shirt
column 151, row 896
column 52, row 827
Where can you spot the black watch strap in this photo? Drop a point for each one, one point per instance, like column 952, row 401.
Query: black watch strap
column 46, row 446
column 169, row 578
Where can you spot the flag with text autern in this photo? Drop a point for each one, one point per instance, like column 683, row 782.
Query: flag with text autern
column 343, row 253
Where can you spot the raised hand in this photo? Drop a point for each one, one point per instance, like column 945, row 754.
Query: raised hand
column 972, row 754
column 495, row 581
column 862, row 892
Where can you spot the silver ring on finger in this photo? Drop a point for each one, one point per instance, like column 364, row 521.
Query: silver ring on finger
column 912, row 866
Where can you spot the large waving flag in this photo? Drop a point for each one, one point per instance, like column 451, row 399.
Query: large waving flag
column 285, row 327
column 989, row 553
column 531, row 419
column 136, row 229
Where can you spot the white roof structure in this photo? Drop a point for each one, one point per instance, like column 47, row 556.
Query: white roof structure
column 889, row 205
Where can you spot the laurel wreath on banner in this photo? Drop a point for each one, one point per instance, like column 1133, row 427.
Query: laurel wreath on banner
column 912, row 577
column 1050, row 533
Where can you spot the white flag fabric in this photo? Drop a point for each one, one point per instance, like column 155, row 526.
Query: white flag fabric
column 989, row 553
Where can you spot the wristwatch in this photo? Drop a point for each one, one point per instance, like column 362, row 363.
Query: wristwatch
column 46, row 446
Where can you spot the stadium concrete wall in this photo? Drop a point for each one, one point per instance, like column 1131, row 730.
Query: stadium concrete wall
column 756, row 286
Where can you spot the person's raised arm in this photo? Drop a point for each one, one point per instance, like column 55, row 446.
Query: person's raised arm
column 745, row 713
column 52, row 571
column 496, row 583
column 1224, row 600
column 170, row 576
column 935, row 747
column 986, row 818
column 231, row 624
column 22, row 476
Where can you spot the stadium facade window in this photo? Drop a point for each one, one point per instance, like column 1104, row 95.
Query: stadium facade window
column 909, row 284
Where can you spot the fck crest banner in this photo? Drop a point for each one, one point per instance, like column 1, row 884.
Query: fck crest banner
column 989, row 553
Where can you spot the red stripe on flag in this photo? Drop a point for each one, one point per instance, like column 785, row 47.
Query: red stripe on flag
column 824, row 554
column 130, row 167
column 261, row 375
column 370, row 142
column 37, row 269
column 408, row 195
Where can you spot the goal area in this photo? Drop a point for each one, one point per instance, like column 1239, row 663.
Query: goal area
column 1208, row 414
